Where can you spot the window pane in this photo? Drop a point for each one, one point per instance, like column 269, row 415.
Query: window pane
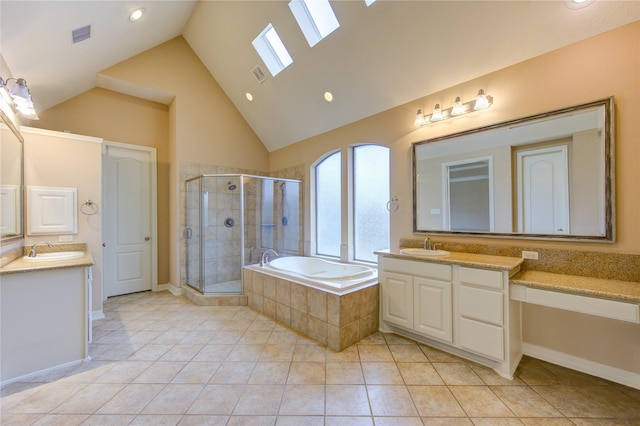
column 371, row 194
column 328, row 206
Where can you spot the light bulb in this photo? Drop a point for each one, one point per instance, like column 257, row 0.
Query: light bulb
column 482, row 101
column 437, row 113
column 458, row 107
column 420, row 121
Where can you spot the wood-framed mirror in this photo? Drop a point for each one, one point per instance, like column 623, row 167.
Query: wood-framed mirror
column 546, row 176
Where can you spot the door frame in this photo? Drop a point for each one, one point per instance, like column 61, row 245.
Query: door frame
column 153, row 220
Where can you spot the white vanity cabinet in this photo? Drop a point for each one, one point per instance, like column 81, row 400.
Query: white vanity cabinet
column 459, row 309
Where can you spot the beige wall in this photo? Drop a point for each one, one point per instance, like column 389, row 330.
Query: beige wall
column 45, row 155
column 606, row 65
column 125, row 119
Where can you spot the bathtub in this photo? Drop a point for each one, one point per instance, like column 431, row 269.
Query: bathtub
column 333, row 277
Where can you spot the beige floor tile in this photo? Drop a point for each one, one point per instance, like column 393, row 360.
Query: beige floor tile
column 446, row 421
column 344, row 373
column 61, row 420
column 170, row 337
column 455, row 374
column 261, row 400
column 303, row 400
column 245, row 353
column 391, row 401
column 300, row 421
column 349, row 354
column 348, row 421
column 590, row 401
column 407, row 353
column 19, row 419
column 491, row 378
column 505, row 421
column 203, row 420
column 282, row 337
column 270, row 373
column 124, row 372
column 233, row 373
column 347, row 400
column 216, row 400
column 132, row 399
column 181, row 353
column 373, row 339
column 196, row 372
column 307, row 373
column 251, row 421
column 547, row 421
column 156, row 420
column 255, row 337
column 395, row 339
column 309, row 353
column 524, row 402
column 397, row 421
column 479, row 401
column 277, row 352
column 201, row 337
column 436, row 355
column 90, row 399
column 109, row 420
column 173, row 399
column 46, row 398
column 160, row 372
column 150, row 352
column 381, row 373
column 213, row 352
column 419, row 373
column 375, row 353
column 435, row 401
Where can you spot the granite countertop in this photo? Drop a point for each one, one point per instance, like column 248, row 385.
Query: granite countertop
column 624, row 291
column 20, row 265
column 484, row 261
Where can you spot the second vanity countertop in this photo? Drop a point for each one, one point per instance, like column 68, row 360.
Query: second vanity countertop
column 625, row 291
column 20, row 265
column 484, row 261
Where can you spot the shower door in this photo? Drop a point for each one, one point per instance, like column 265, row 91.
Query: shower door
column 192, row 235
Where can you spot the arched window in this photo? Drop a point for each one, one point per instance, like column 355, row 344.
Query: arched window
column 351, row 230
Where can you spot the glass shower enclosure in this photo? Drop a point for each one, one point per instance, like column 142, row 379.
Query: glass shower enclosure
column 231, row 219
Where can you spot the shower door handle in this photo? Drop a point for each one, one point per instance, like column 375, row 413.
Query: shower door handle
column 147, row 238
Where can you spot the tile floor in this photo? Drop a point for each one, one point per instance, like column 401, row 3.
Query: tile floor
column 158, row 359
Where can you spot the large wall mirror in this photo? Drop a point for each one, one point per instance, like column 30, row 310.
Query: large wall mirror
column 548, row 176
column 11, row 178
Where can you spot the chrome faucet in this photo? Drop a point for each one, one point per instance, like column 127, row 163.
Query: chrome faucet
column 428, row 245
column 265, row 256
column 32, row 252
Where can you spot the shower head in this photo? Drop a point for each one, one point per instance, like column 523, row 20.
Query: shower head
column 231, row 186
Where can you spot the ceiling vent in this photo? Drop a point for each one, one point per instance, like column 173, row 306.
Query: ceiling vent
column 259, row 74
column 81, row 34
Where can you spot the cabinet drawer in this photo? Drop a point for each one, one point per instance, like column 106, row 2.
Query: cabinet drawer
column 436, row 271
column 482, row 305
column 481, row 277
column 484, row 339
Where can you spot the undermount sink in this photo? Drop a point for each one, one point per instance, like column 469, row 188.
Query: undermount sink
column 423, row 252
column 61, row 255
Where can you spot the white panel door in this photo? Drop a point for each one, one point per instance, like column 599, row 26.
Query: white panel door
column 128, row 221
column 543, row 191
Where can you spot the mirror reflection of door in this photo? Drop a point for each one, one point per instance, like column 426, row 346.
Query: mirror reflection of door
column 543, row 190
column 468, row 195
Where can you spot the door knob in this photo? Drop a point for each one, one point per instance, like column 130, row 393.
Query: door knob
column 147, row 238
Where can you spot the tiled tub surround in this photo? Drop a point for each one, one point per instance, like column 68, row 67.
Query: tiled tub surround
column 337, row 321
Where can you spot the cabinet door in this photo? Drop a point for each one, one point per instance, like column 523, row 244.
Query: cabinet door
column 485, row 339
column 432, row 308
column 397, row 299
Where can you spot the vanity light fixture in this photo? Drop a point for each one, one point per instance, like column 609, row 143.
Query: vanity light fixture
column 482, row 101
column 19, row 96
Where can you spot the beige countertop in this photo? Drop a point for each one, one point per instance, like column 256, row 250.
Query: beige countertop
column 625, row 291
column 21, row 265
column 484, row 261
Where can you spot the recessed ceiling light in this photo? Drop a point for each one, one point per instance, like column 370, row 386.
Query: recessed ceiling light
column 136, row 14
column 249, row 96
column 328, row 96
column 577, row 4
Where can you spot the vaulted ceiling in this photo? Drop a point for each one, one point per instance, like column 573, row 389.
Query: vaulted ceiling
column 382, row 56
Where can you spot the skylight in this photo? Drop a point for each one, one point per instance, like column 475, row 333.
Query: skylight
column 315, row 18
column 272, row 50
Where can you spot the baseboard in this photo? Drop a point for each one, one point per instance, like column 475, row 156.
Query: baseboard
column 617, row 375
column 97, row 315
column 171, row 288
column 45, row 371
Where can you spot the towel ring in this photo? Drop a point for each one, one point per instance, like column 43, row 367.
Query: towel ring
column 89, row 208
column 393, row 205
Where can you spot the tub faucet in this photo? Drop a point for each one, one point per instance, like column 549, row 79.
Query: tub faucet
column 32, row 252
column 265, row 256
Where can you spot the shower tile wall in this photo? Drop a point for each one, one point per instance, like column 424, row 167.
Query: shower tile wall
column 218, row 238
